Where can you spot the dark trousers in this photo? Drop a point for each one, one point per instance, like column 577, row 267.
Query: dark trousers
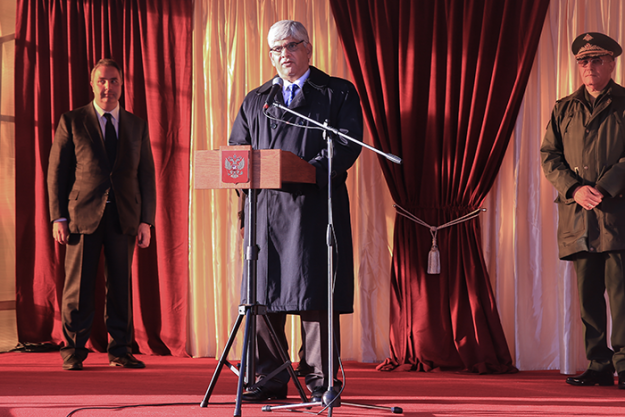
column 315, row 343
column 596, row 273
column 78, row 304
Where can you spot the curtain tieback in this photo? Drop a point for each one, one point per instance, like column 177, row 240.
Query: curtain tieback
column 434, row 260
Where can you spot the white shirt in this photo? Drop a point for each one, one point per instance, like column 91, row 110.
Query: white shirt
column 102, row 119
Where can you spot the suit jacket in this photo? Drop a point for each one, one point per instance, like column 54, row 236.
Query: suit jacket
column 80, row 175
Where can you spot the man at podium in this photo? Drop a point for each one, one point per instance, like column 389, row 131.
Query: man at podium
column 292, row 221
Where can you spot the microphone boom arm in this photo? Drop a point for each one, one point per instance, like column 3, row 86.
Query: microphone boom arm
column 389, row 156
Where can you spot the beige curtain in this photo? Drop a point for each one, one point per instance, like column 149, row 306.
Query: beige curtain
column 231, row 58
column 7, row 156
column 537, row 293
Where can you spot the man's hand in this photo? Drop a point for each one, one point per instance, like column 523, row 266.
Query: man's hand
column 144, row 235
column 588, row 197
column 60, row 231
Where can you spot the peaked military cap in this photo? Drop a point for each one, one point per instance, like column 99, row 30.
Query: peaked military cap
column 592, row 44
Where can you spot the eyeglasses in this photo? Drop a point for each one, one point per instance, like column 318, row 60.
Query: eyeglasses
column 291, row 47
column 597, row 61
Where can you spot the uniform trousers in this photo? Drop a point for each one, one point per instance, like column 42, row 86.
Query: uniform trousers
column 315, row 343
column 78, row 303
column 596, row 273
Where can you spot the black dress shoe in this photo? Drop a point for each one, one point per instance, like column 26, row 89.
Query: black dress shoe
column 591, row 377
column 303, row 369
column 127, row 361
column 259, row 394
column 317, row 394
column 72, row 363
column 621, row 380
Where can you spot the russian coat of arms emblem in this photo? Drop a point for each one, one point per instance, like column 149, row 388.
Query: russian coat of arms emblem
column 234, row 165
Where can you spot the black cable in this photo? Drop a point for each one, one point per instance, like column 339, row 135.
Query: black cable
column 120, row 407
column 289, row 123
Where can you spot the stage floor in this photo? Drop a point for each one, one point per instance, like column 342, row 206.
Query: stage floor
column 33, row 384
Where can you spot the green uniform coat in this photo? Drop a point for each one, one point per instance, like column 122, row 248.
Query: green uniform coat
column 586, row 147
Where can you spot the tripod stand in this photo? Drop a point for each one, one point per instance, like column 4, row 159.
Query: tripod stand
column 209, row 167
column 331, row 398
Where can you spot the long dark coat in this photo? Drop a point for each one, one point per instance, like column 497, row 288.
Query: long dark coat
column 586, row 147
column 292, row 222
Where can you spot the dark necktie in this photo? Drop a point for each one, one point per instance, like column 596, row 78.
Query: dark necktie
column 292, row 94
column 110, row 139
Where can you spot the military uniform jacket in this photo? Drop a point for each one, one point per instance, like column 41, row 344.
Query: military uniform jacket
column 292, row 222
column 586, row 146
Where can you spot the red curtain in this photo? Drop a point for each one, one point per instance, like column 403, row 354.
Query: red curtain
column 57, row 44
column 441, row 83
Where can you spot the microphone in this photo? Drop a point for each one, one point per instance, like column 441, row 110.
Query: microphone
column 275, row 89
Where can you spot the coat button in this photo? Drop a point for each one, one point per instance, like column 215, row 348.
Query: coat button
column 274, row 125
column 591, row 249
column 585, row 166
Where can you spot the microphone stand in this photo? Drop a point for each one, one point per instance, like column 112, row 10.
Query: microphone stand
column 331, row 398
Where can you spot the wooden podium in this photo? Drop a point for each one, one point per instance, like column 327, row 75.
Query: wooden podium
column 244, row 168
column 270, row 168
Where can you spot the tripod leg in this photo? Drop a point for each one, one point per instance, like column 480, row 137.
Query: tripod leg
column 394, row 410
column 222, row 361
column 247, row 339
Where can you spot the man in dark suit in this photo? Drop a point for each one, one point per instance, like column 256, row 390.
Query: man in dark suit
column 102, row 193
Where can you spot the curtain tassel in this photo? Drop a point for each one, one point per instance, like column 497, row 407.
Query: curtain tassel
column 434, row 257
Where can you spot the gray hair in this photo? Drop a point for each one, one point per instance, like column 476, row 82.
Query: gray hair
column 285, row 28
column 107, row 62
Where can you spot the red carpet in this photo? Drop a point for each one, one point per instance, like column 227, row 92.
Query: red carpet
column 33, row 384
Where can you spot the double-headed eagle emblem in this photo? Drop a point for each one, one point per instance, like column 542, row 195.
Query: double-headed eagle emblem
column 234, row 166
